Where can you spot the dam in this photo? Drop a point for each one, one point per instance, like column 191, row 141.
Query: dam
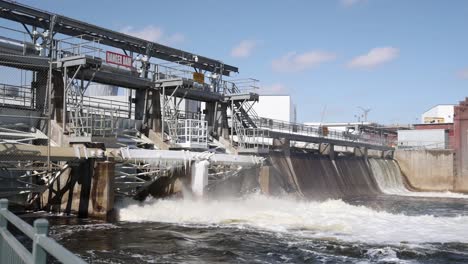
column 138, row 152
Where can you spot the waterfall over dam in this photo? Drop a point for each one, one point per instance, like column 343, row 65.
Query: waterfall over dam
column 317, row 177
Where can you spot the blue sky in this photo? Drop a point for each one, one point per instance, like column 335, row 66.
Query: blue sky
column 397, row 57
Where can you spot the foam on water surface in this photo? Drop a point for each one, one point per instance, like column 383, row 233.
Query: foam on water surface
column 333, row 219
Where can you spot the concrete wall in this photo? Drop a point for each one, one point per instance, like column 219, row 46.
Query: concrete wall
column 428, row 170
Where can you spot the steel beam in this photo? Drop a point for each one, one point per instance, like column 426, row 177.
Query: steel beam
column 68, row 26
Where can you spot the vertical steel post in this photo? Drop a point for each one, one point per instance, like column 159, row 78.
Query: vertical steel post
column 3, row 227
column 163, row 113
column 65, row 91
column 48, row 99
column 232, row 120
column 41, row 229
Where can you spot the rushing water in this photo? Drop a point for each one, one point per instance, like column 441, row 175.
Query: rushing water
column 260, row 229
column 376, row 220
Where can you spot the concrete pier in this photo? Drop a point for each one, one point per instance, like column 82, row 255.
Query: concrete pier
column 101, row 200
column 199, row 177
column 85, row 189
column 264, row 179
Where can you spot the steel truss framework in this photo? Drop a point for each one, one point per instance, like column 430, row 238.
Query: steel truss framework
column 61, row 24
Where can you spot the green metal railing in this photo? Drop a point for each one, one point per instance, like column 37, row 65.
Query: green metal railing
column 12, row 251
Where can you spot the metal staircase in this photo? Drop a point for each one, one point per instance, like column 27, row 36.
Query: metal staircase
column 244, row 117
column 245, row 113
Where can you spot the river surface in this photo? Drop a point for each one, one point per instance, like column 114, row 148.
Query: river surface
column 259, row 229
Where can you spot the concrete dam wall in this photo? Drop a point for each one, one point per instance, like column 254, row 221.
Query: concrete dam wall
column 428, row 170
column 318, row 177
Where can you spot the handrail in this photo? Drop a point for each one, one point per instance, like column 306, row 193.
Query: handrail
column 16, row 95
column 421, row 144
column 316, row 131
column 12, row 250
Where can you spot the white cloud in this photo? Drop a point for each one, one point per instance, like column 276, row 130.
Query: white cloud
column 374, row 58
column 463, row 73
column 155, row 34
column 274, row 89
column 351, row 2
column 244, row 48
column 294, row 62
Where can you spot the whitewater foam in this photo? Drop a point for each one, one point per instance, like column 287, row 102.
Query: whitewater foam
column 333, row 219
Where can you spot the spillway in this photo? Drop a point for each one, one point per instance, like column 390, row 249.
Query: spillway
column 390, row 180
column 318, row 177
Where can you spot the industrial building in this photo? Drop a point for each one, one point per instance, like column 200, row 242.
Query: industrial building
column 442, row 113
column 277, row 107
column 423, row 138
column 436, row 130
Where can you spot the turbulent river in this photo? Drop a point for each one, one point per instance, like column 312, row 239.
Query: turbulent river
column 343, row 211
column 260, row 229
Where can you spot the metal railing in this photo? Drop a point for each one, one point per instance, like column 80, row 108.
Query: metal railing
column 256, row 138
column 192, row 132
column 421, row 145
column 318, row 131
column 94, row 123
column 16, row 95
column 105, row 105
column 79, row 45
column 185, row 114
column 12, row 251
column 240, row 86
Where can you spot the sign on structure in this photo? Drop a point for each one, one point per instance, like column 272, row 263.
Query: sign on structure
column 199, row 77
column 118, row 59
column 432, row 120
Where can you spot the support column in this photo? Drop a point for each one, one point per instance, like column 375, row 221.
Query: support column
column 331, row 153
column 40, row 88
column 327, row 149
column 154, row 119
column 210, row 116
column 140, row 99
column 221, row 121
column 360, row 152
column 282, row 144
column 460, row 144
column 57, row 97
column 199, row 177
column 264, row 179
column 101, row 200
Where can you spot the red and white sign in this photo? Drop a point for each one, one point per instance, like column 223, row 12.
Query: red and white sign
column 119, row 59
